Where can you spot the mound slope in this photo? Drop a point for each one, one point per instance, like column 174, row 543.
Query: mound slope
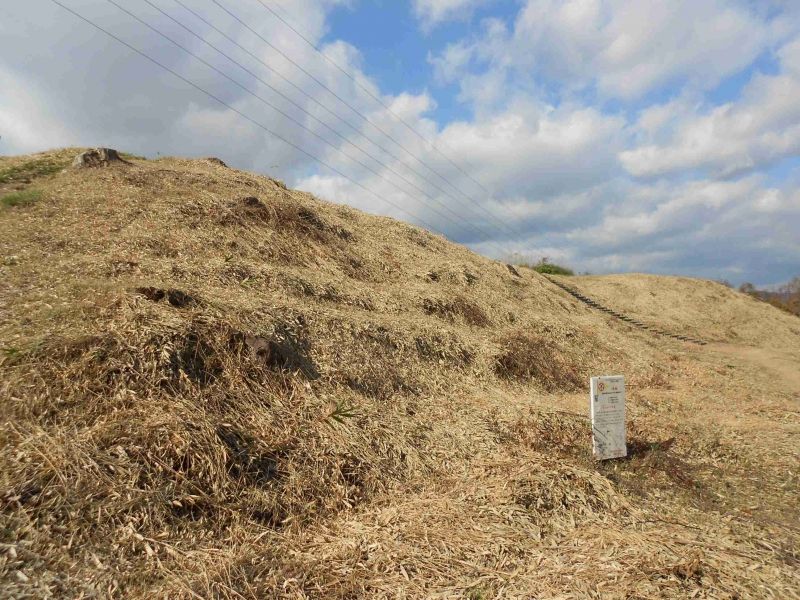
column 216, row 386
column 695, row 307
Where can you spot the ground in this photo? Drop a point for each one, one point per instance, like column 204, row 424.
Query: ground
column 216, row 387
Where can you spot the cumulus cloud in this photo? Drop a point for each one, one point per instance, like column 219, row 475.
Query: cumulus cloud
column 522, row 158
column 715, row 229
column 432, row 12
column 622, row 49
column 24, row 135
column 760, row 128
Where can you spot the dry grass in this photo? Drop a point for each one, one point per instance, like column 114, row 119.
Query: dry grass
column 215, row 387
column 527, row 357
column 703, row 309
column 457, row 308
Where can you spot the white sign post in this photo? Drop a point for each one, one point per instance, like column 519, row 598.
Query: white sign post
column 607, row 400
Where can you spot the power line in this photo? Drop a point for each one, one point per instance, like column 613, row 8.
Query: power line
column 302, row 126
column 244, row 116
column 350, row 125
column 355, row 110
column 480, row 231
column 237, row 111
column 374, row 97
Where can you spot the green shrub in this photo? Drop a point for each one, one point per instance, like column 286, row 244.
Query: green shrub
column 543, row 265
column 548, row 268
column 32, row 169
column 20, row 198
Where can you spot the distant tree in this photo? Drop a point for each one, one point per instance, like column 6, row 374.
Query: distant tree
column 785, row 297
column 747, row 288
column 793, row 287
column 792, row 301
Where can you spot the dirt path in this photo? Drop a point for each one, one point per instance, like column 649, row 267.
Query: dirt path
column 779, row 364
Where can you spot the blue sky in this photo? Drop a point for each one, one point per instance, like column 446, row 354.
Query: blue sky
column 395, row 49
column 657, row 135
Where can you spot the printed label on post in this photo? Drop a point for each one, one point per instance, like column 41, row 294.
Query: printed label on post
column 607, row 400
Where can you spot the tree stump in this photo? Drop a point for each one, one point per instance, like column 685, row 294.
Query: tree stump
column 97, row 157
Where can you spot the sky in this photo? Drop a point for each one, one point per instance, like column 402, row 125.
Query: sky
column 656, row 136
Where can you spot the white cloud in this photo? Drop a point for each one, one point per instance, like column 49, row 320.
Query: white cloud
column 529, row 157
column 624, row 49
column 534, row 150
column 652, row 43
column 741, row 229
column 789, row 56
column 761, row 127
column 676, row 212
column 452, row 63
column 432, row 12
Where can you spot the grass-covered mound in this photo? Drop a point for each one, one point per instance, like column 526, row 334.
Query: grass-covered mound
column 214, row 386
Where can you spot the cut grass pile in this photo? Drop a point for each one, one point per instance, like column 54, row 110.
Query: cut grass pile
column 532, row 358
